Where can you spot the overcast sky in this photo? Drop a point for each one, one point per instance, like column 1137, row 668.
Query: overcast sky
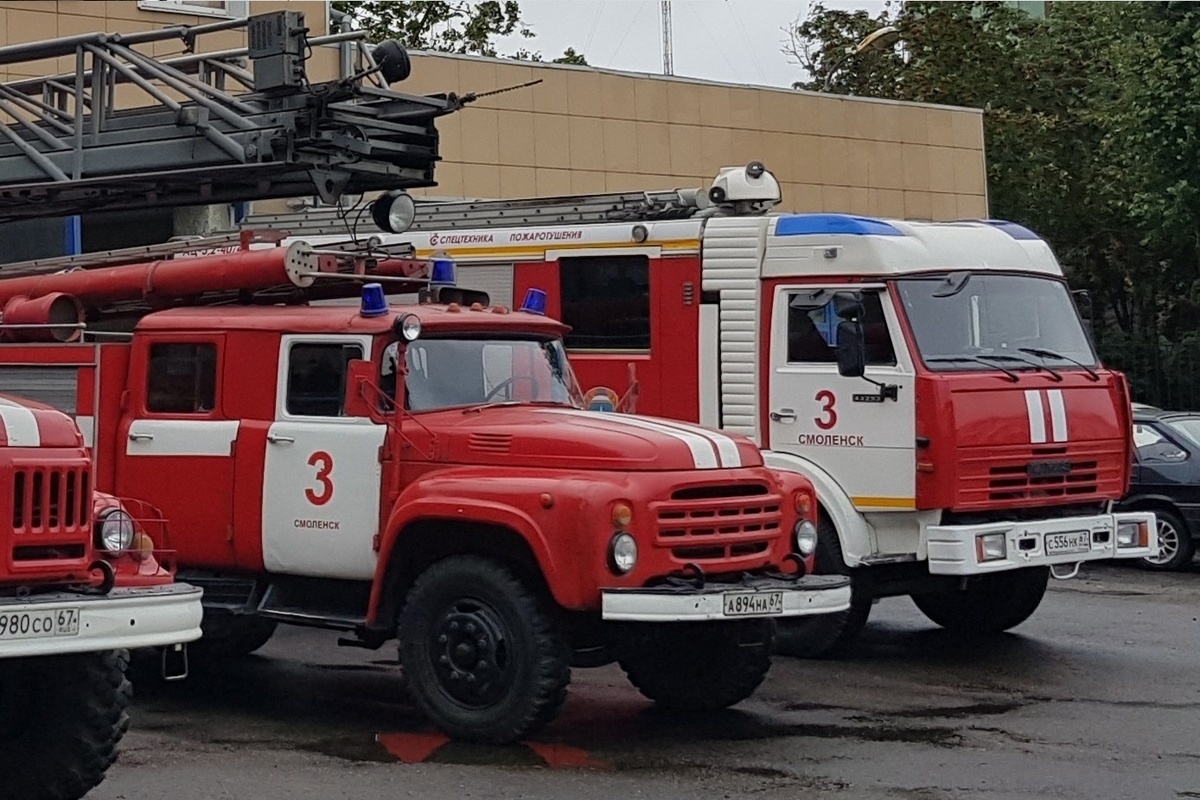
column 726, row 40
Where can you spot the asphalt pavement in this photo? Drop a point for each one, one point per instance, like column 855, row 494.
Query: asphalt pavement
column 1096, row 696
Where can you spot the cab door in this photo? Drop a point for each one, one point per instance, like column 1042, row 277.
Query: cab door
column 322, row 471
column 846, row 426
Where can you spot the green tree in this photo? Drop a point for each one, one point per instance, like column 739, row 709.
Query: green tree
column 1090, row 123
column 451, row 27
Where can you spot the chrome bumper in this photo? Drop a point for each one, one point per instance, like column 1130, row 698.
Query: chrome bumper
column 122, row 619
column 809, row 595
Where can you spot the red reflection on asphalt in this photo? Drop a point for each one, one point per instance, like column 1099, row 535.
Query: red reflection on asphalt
column 412, row 748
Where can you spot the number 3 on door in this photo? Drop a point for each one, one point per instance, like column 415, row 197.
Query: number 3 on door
column 324, row 464
column 827, row 400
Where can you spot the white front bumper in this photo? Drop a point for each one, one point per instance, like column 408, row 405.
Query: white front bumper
column 122, row 619
column 812, row 594
column 952, row 547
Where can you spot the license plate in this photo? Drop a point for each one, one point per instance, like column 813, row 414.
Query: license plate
column 39, row 624
column 753, row 604
column 1071, row 542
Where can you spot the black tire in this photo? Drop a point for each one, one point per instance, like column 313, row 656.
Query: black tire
column 232, row 635
column 498, row 688
column 990, row 604
column 1179, row 549
column 826, row 635
column 700, row 667
column 61, row 719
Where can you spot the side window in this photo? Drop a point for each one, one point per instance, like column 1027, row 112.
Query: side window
column 182, row 378
column 1151, row 447
column 606, row 301
column 812, row 332
column 316, row 380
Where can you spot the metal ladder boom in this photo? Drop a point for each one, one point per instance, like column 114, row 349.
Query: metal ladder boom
column 521, row 212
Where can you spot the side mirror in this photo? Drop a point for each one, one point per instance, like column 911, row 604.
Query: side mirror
column 848, row 305
column 357, row 401
column 851, row 349
column 1083, row 304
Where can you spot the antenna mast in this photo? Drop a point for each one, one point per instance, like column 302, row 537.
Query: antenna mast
column 668, row 49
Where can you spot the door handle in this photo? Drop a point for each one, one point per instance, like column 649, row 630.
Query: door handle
column 140, row 437
column 277, row 439
column 783, row 415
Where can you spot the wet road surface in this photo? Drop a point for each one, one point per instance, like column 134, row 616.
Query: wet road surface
column 1097, row 696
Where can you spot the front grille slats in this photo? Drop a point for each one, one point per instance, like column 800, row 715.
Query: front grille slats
column 719, row 523
column 1038, row 475
column 51, row 512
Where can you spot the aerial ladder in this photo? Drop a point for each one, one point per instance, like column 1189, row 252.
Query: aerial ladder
column 212, row 127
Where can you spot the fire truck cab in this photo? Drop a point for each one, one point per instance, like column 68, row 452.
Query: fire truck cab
column 83, row 580
column 426, row 472
column 934, row 380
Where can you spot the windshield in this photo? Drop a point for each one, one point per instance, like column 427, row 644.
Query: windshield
column 970, row 320
column 1188, row 426
column 443, row 373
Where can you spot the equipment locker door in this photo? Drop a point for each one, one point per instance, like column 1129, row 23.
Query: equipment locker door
column 321, row 481
column 865, row 442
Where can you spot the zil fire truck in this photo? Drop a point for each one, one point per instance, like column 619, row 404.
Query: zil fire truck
column 423, row 472
column 80, row 586
column 933, row 380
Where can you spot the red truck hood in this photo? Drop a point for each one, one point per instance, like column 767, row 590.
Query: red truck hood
column 25, row 423
column 1036, row 442
column 543, row 436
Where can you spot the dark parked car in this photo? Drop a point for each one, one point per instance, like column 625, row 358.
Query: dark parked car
column 1166, row 480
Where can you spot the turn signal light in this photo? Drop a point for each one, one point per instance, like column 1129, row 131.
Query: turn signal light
column 804, row 504
column 622, row 515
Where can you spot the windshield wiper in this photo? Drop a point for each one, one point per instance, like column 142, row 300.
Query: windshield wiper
column 1040, row 353
column 968, row 359
column 1058, row 378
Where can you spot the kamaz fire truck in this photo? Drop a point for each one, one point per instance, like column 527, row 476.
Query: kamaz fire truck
column 933, row 380
column 423, row 472
column 80, row 586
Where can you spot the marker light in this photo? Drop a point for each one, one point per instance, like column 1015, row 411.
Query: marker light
column 373, row 304
column 441, row 270
column 534, row 302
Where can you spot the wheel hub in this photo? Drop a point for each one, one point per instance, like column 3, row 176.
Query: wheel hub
column 470, row 653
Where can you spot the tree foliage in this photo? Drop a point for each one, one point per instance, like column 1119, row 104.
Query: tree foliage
column 456, row 26
column 1091, row 121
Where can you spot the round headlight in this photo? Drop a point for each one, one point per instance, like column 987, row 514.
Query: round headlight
column 622, row 553
column 806, row 538
column 410, row 327
column 116, row 530
column 394, row 211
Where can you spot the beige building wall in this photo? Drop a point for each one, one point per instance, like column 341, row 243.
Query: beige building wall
column 584, row 130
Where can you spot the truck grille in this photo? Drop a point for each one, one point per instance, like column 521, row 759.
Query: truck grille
column 1029, row 476
column 719, row 523
column 51, row 512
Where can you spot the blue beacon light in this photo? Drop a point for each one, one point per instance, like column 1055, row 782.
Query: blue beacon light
column 374, row 304
column 534, row 302
column 442, row 270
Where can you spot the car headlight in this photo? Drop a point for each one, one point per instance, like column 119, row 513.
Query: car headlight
column 115, row 530
column 806, row 538
column 622, row 553
column 991, row 547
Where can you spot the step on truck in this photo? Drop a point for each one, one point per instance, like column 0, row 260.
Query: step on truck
column 934, row 381
column 81, row 584
column 424, row 473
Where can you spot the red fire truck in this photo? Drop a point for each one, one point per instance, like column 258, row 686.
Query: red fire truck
column 933, row 380
column 80, row 586
column 423, row 472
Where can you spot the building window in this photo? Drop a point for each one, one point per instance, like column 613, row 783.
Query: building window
column 211, row 8
column 182, row 379
column 316, row 382
column 606, row 301
column 812, row 330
